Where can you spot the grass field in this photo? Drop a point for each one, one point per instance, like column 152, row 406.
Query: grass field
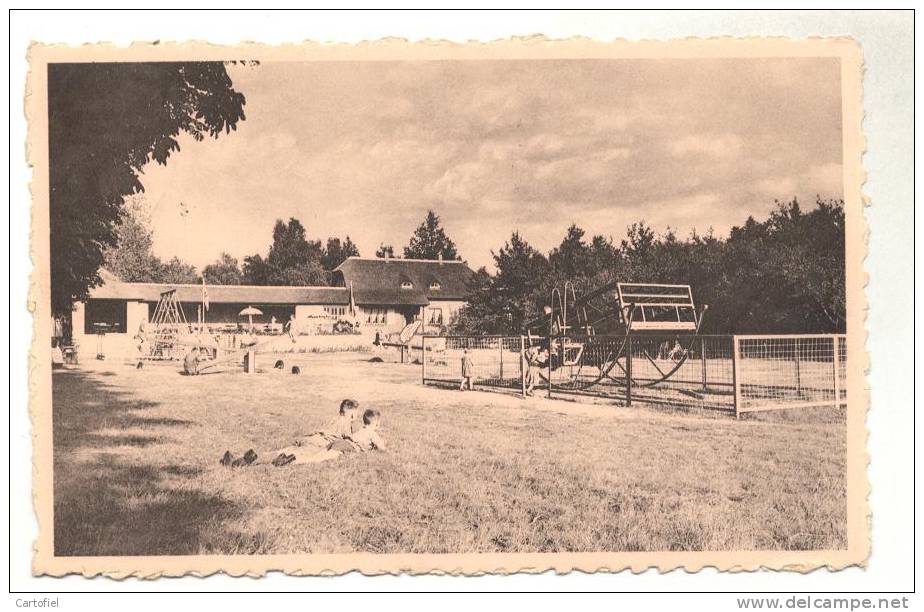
column 136, row 469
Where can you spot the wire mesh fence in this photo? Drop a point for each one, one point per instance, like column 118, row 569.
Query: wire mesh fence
column 713, row 372
column 842, row 369
column 690, row 371
column 675, row 369
column 789, row 371
column 492, row 361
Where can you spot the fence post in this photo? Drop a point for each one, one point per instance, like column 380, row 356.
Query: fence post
column 423, row 360
column 500, row 345
column 736, row 375
column 522, row 369
column 549, row 364
column 702, row 359
column 837, row 370
column 798, row 369
column 629, row 370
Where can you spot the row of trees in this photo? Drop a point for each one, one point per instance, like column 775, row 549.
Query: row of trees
column 292, row 259
column 781, row 275
column 784, row 274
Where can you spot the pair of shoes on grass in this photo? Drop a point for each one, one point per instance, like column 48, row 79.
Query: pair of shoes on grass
column 283, row 459
column 228, row 460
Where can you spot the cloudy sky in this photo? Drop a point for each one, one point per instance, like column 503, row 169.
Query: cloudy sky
column 365, row 148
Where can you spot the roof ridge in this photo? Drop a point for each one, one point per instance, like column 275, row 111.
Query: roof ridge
column 199, row 285
column 410, row 259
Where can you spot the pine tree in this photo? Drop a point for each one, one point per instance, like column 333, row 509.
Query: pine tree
column 337, row 252
column 430, row 241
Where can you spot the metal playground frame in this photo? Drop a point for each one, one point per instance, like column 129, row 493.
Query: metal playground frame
column 651, row 351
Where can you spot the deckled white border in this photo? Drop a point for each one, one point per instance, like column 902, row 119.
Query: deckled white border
column 466, row 564
column 896, row 223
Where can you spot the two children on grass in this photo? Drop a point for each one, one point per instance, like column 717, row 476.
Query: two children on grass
column 348, row 434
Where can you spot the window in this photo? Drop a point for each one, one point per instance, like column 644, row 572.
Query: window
column 435, row 286
column 407, row 285
column 337, row 311
column 435, row 316
column 375, row 315
column 105, row 316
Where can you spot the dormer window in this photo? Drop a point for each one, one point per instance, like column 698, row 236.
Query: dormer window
column 435, row 286
column 407, row 285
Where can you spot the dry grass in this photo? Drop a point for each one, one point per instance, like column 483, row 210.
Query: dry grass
column 136, row 469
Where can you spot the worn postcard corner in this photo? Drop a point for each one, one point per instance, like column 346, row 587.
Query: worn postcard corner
column 436, row 308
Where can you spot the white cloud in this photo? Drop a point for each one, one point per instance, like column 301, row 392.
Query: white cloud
column 721, row 146
column 492, row 146
column 777, row 186
column 826, row 178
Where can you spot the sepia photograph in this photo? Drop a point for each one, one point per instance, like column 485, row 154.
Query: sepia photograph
column 396, row 307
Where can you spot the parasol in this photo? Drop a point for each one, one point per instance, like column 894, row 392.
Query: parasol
column 250, row 311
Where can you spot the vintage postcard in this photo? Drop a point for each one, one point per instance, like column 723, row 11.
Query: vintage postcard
column 431, row 307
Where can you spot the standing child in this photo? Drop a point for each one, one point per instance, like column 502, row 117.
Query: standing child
column 142, row 337
column 536, row 357
column 290, row 328
column 468, row 371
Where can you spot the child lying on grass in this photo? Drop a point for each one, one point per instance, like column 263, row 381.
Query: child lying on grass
column 346, row 424
column 341, row 431
column 364, row 440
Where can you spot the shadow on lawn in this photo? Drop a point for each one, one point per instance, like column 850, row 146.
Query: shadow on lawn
column 109, row 501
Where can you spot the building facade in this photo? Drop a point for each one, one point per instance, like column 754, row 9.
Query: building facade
column 394, row 292
column 381, row 295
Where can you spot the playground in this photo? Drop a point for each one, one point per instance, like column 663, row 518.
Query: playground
column 624, row 342
column 137, row 471
column 537, row 465
column 637, row 342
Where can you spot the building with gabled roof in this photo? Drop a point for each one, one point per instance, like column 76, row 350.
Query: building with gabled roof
column 407, row 289
column 383, row 295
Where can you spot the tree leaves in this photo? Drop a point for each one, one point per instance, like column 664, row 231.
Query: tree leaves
column 295, row 260
column 336, row 252
column 385, row 250
column 132, row 258
column 505, row 301
column 430, row 241
column 783, row 275
column 106, row 121
column 225, row 271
